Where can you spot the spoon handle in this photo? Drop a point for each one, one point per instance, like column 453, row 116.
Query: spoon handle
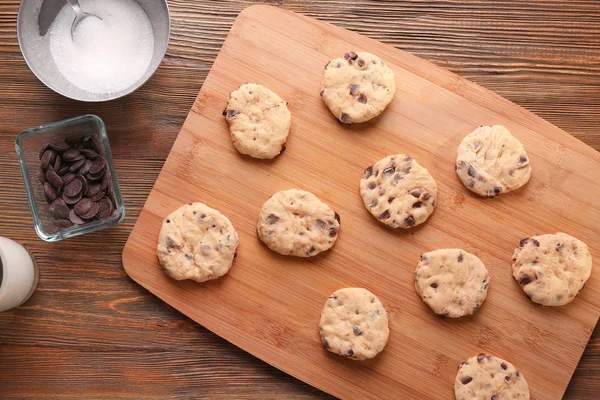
column 76, row 7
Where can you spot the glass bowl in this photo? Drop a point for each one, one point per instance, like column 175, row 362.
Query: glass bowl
column 82, row 132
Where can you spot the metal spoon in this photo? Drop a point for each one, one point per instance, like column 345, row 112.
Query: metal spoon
column 80, row 15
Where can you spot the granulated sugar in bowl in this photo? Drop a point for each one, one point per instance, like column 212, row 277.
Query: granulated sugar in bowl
column 106, row 57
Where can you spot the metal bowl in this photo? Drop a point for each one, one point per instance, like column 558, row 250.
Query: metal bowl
column 35, row 15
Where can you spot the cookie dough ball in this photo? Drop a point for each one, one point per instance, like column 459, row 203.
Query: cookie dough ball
column 354, row 324
column 552, row 269
column 398, row 191
column 487, row 377
column 452, row 282
column 196, row 242
column 491, row 161
column 259, row 121
column 357, row 87
column 295, row 222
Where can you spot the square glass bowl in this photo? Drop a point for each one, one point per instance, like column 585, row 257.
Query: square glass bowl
column 88, row 129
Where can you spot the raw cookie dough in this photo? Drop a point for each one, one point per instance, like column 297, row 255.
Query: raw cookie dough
column 552, row 268
column 357, row 87
column 259, row 121
column 484, row 377
column 452, row 282
column 295, row 222
column 398, row 191
column 196, row 242
column 491, row 161
column 354, row 324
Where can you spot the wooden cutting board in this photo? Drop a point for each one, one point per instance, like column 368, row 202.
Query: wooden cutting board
column 269, row 305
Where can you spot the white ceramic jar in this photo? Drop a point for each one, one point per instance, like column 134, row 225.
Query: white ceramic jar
column 18, row 274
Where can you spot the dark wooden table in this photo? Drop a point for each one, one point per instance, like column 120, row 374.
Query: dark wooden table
column 90, row 332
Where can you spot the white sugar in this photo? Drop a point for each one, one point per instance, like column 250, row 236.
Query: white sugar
column 105, row 56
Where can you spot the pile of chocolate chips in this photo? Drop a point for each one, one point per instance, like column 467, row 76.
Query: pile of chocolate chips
column 77, row 181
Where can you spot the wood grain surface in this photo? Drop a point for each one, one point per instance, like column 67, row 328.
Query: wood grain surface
column 90, row 332
column 269, row 305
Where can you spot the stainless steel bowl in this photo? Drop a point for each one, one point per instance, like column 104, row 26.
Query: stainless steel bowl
column 36, row 50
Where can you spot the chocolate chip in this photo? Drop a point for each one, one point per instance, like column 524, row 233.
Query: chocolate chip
column 271, row 219
column 92, row 212
column 391, row 199
column 353, row 89
column 523, row 242
column 321, row 224
column 350, row 56
column 517, row 373
column 559, row 247
column 59, row 209
column 84, row 183
column 357, row 331
column 384, row 215
column 434, row 285
column 333, row 232
column 47, row 158
column 418, row 204
column 49, row 192
column 97, row 196
column 62, row 223
column 325, row 344
column 337, row 217
column 41, row 176
column 345, row 118
column 466, row 379
column 460, row 257
column 71, row 200
column 63, row 170
column 504, row 366
column 360, row 62
column 525, row 280
column 83, row 206
column 371, row 185
column 97, row 168
column 43, row 150
column 59, row 145
column 75, row 166
column 57, row 163
column 507, row 378
column 322, row 92
column 349, row 353
column 388, row 171
column 96, row 144
column 471, row 171
column 368, row 172
column 362, row 99
column 105, row 209
column 481, row 357
column 85, row 168
column 231, row 113
column 475, row 308
column 93, row 190
column 312, row 249
column 416, row 193
column 523, row 160
column 55, row 180
column 90, row 154
column 497, row 190
column 73, row 188
column 168, row 221
column 535, row 242
column 409, row 220
column 71, row 155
